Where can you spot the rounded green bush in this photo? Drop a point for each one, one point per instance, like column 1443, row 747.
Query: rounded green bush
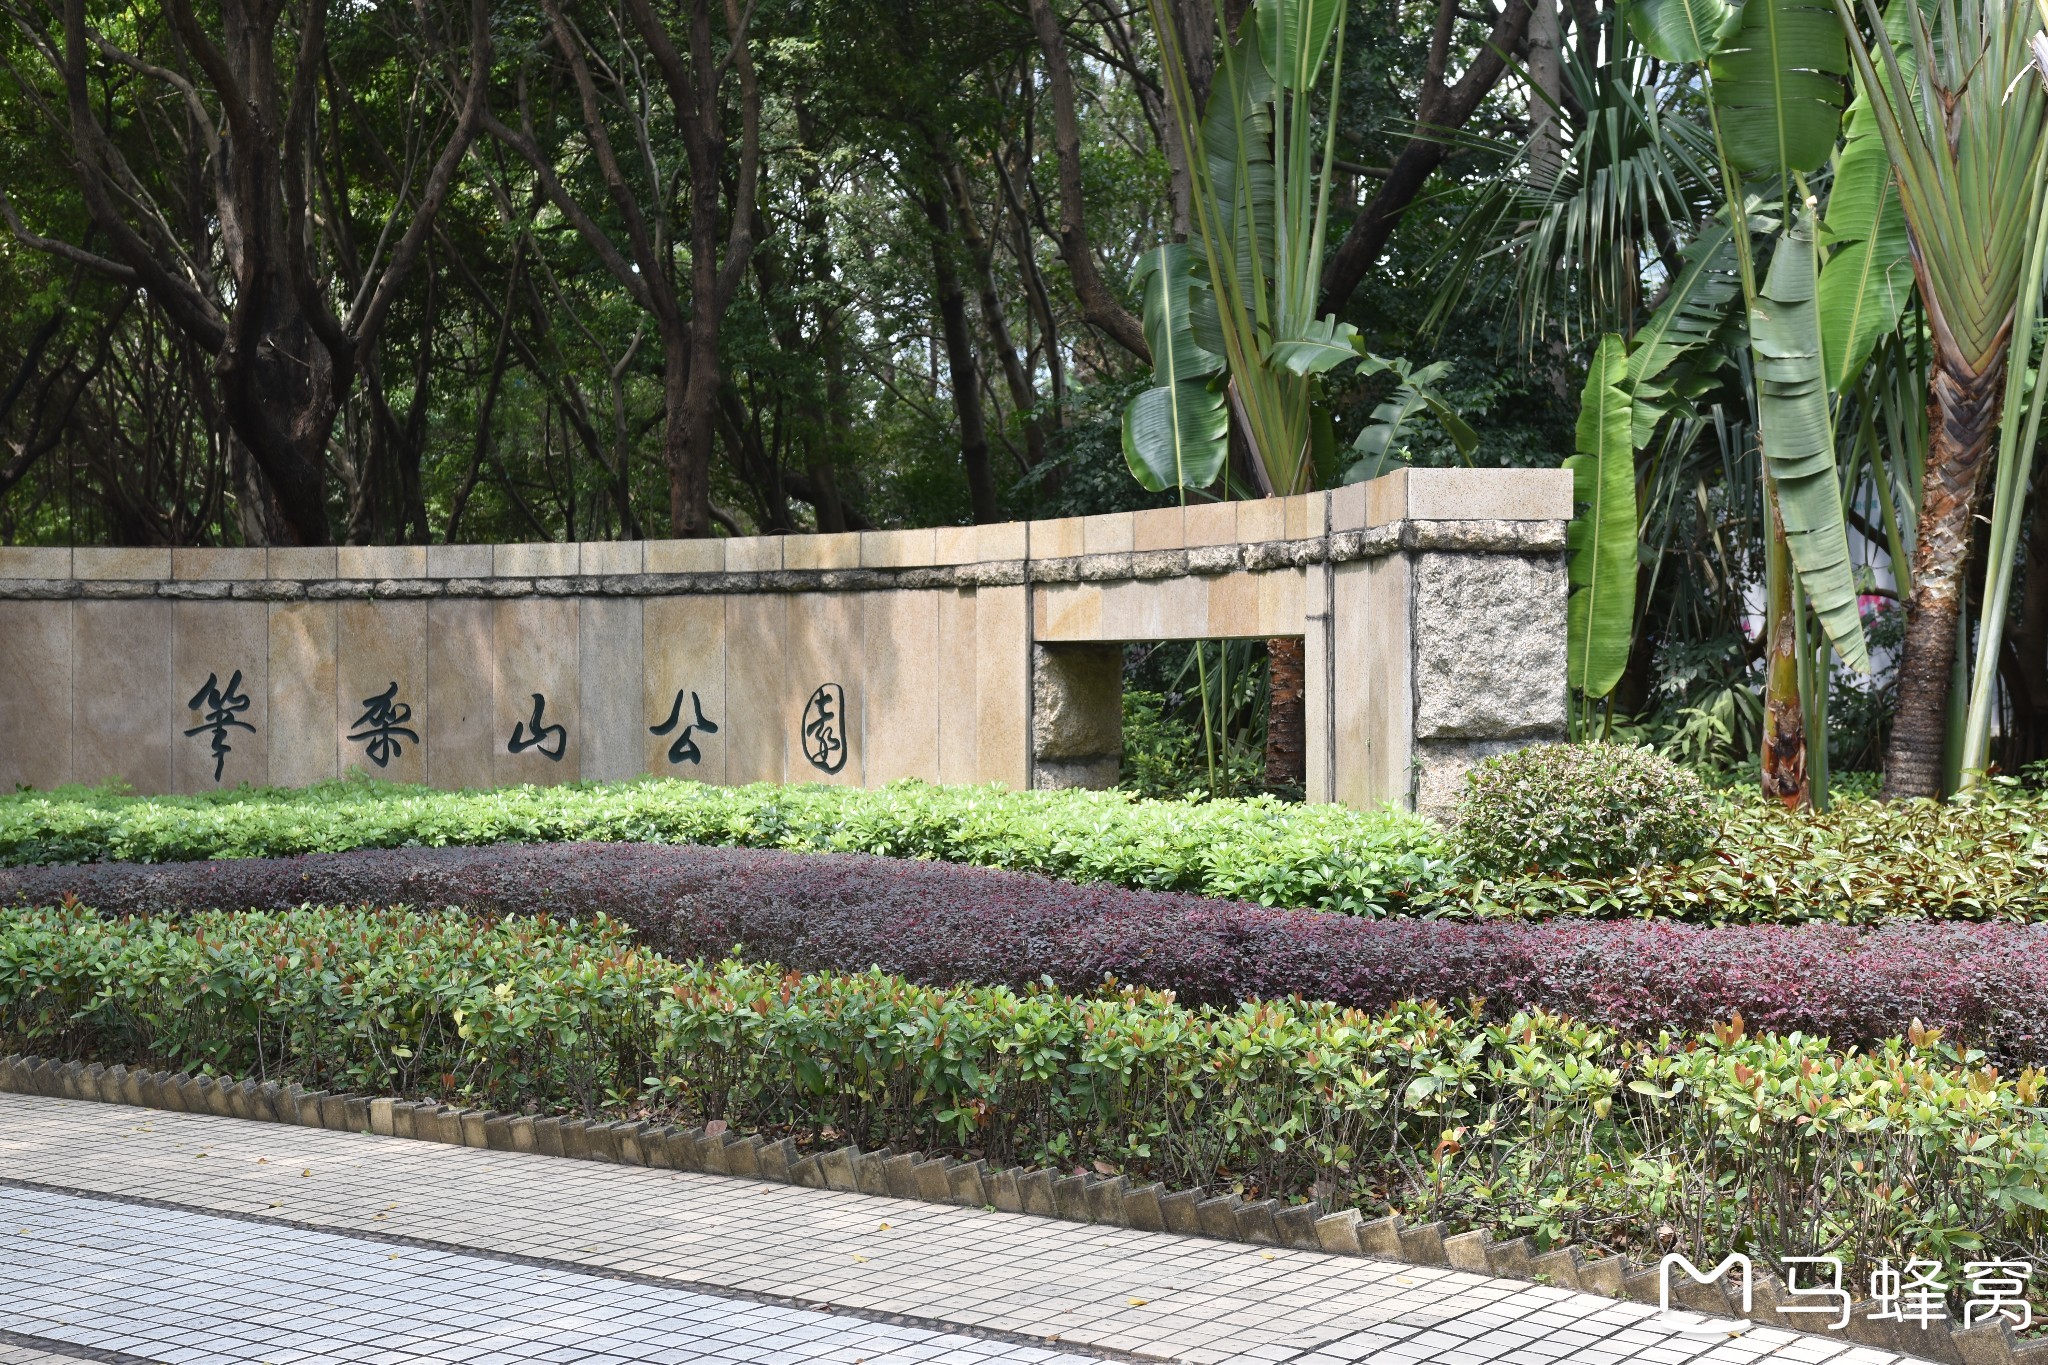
column 1595, row 808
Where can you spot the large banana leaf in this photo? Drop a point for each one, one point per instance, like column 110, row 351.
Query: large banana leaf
column 1295, row 35
column 1695, row 308
column 1778, row 86
column 1168, row 274
column 1175, row 433
column 1601, row 612
column 1683, row 30
column 1798, row 441
column 1176, row 436
column 1237, row 151
column 1864, row 286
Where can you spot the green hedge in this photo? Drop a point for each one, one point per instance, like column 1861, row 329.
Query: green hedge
column 1864, row 862
column 1260, row 850
column 1539, row 1125
column 1861, row 863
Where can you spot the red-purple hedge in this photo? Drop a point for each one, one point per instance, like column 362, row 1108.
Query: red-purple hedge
column 941, row 922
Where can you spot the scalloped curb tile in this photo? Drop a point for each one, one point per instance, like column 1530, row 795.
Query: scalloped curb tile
column 1110, row 1200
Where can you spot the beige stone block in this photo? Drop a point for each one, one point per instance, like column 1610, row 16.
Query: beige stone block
column 1068, row 611
column 1490, row 494
column 548, row 559
column 837, row 551
column 459, row 561
column 683, row 673
column 302, row 674
column 1057, row 538
column 217, row 564
column 1282, row 601
column 612, row 689
column 35, row 693
column 1107, row 533
column 757, row 636
column 128, row 565
column 1233, row 605
column 1002, row 541
column 753, row 554
column 381, row 689
column 300, row 562
column 220, row 662
column 1318, row 703
column 1261, row 521
column 1002, row 663
column 35, row 561
column 612, row 556
column 900, row 686
column 1158, row 528
column 959, row 709
column 1156, row 609
column 1307, row 515
column 897, row 549
column 380, row 561
column 1350, row 505
column 1386, row 498
column 822, row 689
column 124, row 706
column 1374, row 703
column 955, row 545
column 705, row 555
column 462, row 692
column 537, row 645
column 1211, row 523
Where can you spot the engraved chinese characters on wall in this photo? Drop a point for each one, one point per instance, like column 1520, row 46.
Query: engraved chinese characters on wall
column 549, row 741
column 383, row 726
column 684, row 748
column 824, row 728
column 220, row 710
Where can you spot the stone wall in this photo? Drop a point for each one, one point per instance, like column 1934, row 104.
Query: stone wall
column 1431, row 602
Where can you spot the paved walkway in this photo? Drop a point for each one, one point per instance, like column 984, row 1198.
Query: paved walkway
column 137, row 1235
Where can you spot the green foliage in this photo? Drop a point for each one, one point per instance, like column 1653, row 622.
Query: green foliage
column 1601, row 611
column 1164, row 757
column 1260, row 850
column 1539, row 1125
column 1682, row 30
column 1778, row 86
column 1597, row 808
column 1799, row 439
column 1862, row 862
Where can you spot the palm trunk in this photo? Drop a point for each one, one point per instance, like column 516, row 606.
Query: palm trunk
column 1963, row 425
column 1286, row 718
column 1784, row 748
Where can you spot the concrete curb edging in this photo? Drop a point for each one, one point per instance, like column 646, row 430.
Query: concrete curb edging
column 1110, row 1200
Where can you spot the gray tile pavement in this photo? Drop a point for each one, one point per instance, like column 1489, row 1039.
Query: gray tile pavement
column 391, row 1229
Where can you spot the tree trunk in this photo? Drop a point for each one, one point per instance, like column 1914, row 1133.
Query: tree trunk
column 1286, row 717
column 963, row 373
column 690, row 399
column 1546, row 94
column 1784, row 739
column 1962, row 424
column 2028, row 741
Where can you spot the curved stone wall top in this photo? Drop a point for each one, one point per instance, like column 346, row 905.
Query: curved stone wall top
column 1513, row 511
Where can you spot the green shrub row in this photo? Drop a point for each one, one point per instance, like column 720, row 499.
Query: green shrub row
column 1260, row 849
column 1861, row 863
column 1540, row 1124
